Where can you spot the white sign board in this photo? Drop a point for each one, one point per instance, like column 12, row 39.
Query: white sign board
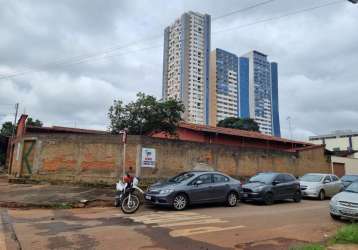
column 148, row 157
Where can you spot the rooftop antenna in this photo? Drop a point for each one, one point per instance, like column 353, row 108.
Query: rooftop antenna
column 289, row 125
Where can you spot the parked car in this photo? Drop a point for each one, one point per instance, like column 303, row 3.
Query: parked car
column 345, row 203
column 320, row 186
column 348, row 179
column 195, row 187
column 269, row 187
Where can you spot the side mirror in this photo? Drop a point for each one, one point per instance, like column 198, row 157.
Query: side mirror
column 275, row 183
column 326, row 181
column 198, row 182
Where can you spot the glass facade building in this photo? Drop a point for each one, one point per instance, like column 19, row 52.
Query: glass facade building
column 275, row 111
column 259, row 91
column 224, row 98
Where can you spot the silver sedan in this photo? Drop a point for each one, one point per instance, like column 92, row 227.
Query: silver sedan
column 320, row 185
column 345, row 204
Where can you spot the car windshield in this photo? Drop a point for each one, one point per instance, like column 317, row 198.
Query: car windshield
column 181, row 177
column 353, row 188
column 350, row 178
column 311, row 178
column 265, row 178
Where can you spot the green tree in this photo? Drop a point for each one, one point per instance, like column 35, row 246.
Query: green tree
column 239, row 123
column 7, row 128
column 146, row 114
column 33, row 123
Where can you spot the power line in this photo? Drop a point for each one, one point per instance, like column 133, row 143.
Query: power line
column 83, row 58
column 292, row 13
column 243, row 9
column 107, row 53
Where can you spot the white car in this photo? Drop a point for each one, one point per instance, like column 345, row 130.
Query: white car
column 345, row 204
column 320, row 185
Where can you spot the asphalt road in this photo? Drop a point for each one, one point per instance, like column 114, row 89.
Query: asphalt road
column 247, row 226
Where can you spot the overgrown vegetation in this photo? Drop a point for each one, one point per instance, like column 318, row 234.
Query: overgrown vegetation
column 239, row 123
column 347, row 234
column 309, row 247
column 146, row 114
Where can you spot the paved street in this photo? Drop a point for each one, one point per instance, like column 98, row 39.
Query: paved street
column 215, row 227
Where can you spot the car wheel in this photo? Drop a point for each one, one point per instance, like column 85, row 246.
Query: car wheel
column 269, row 199
column 297, row 197
column 180, row 202
column 321, row 195
column 232, row 199
column 335, row 217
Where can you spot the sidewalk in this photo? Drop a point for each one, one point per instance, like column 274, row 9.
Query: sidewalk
column 52, row 196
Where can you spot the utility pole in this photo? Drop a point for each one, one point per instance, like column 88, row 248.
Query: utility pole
column 124, row 140
column 15, row 118
column 289, row 125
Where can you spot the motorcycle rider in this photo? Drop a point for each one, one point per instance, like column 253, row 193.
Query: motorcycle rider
column 127, row 178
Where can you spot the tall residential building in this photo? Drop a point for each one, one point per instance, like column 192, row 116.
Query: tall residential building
column 259, row 91
column 224, row 98
column 186, row 65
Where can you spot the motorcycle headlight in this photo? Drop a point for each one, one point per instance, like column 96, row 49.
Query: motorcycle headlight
column 166, row 191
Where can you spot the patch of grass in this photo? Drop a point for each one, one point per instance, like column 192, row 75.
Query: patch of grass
column 62, row 206
column 308, row 247
column 347, row 234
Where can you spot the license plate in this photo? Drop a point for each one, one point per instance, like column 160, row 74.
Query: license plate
column 245, row 195
column 147, row 197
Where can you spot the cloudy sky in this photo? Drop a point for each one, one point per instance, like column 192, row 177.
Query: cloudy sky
column 65, row 61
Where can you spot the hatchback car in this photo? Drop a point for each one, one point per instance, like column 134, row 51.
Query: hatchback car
column 269, row 187
column 348, row 179
column 320, row 185
column 194, row 187
column 345, row 204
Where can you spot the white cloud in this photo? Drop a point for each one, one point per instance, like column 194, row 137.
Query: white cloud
column 317, row 54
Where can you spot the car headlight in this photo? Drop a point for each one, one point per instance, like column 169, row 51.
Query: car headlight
column 334, row 200
column 166, row 191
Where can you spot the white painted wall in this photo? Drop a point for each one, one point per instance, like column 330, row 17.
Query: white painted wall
column 351, row 164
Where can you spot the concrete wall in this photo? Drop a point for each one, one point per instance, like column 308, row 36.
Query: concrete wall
column 351, row 164
column 98, row 158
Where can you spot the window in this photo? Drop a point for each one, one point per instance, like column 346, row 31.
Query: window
column 280, row 178
column 289, row 178
column 334, row 178
column 327, row 179
column 220, row 178
column 205, row 178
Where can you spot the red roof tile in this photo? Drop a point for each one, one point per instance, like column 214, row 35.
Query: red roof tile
column 58, row 129
column 238, row 132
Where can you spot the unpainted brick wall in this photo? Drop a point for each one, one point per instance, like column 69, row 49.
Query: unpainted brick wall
column 98, row 158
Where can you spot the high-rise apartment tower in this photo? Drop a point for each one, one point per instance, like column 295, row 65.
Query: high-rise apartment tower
column 224, row 89
column 186, row 65
column 259, row 91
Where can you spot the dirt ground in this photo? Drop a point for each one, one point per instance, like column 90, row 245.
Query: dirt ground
column 46, row 195
column 248, row 226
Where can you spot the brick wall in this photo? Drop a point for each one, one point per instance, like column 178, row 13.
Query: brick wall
column 98, row 158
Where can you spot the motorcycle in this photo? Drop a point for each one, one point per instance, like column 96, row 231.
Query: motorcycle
column 127, row 197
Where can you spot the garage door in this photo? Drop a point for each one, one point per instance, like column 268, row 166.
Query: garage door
column 339, row 169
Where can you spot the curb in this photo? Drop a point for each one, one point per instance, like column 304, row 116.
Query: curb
column 60, row 205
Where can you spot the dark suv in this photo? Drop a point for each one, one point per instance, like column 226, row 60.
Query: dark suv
column 269, row 187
